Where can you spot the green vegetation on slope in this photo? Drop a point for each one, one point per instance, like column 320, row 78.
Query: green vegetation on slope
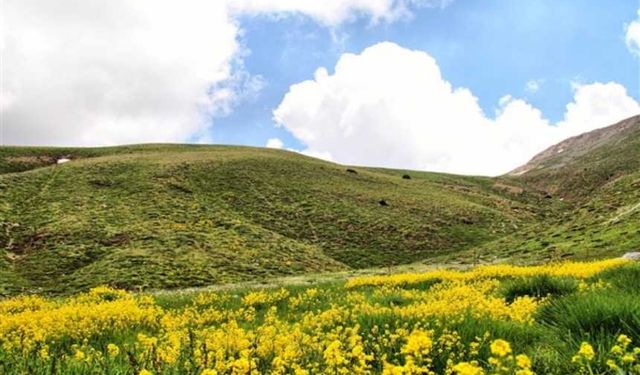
column 167, row 216
column 595, row 181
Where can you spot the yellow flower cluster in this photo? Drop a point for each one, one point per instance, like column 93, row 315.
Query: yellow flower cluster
column 30, row 322
column 457, row 298
column 263, row 297
column 571, row 269
column 394, row 326
column 622, row 358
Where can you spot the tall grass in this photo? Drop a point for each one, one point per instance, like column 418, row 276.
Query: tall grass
column 538, row 286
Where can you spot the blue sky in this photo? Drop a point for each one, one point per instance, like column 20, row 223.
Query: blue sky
column 462, row 86
column 492, row 47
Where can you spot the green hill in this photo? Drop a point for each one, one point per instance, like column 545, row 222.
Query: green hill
column 167, row 216
column 596, row 178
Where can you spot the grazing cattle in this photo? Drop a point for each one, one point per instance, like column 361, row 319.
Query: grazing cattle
column 349, row 170
column 406, row 177
column 382, row 202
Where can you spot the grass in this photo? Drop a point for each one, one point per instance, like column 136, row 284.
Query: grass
column 538, row 286
column 171, row 216
column 626, row 278
column 595, row 314
column 594, row 181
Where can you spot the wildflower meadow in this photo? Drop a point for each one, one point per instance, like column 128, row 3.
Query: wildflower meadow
column 565, row 318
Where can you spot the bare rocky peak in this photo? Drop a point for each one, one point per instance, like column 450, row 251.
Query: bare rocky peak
column 560, row 154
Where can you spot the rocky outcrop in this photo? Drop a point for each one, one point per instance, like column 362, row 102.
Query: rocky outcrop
column 632, row 256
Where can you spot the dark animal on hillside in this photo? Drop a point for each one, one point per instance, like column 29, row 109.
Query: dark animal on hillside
column 352, row 171
column 382, row 202
column 406, row 177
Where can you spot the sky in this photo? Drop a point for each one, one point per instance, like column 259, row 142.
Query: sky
column 458, row 86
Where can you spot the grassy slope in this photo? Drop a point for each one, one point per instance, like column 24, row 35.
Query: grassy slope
column 595, row 177
column 168, row 216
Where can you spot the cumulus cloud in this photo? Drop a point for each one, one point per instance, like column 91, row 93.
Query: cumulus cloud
column 85, row 72
column 390, row 106
column 274, row 143
column 122, row 71
column 632, row 36
column 596, row 105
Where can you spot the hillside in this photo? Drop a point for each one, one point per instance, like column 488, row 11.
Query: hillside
column 167, row 216
column 581, row 165
column 170, row 216
column 596, row 177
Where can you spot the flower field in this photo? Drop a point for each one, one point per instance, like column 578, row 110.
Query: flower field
column 568, row 318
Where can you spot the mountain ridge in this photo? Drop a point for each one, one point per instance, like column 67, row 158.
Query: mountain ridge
column 588, row 141
column 581, row 164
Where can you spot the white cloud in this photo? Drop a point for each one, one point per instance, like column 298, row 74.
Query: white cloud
column 123, row 71
column 632, row 36
column 534, row 85
column 86, row 72
column 335, row 12
column 596, row 105
column 274, row 143
column 324, row 155
column 390, row 106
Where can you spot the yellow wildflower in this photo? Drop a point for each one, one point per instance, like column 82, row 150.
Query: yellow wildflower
column 467, row 368
column 79, row 355
column 617, row 350
column 523, row 361
column 623, row 340
column 500, row 348
column 586, row 351
column 113, row 350
column 419, row 343
column 333, row 354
